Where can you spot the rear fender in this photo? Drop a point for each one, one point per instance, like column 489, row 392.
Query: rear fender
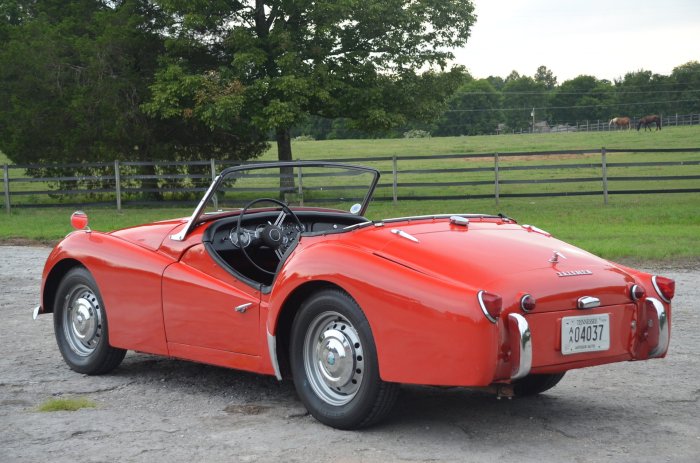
column 426, row 331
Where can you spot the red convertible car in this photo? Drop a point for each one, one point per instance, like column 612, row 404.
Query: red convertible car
column 271, row 274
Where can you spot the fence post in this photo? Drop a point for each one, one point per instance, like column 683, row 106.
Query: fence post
column 395, row 182
column 497, row 186
column 118, row 185
column 300, row 188
column 6, row 182
column 604, row 165
column 215, row 198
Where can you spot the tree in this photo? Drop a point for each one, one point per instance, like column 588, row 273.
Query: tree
column 638, row 93
column 520, row 96
column 546, row 77
column 73, row 77
column 473, row 109
column 583, row 98
column 276, row 62
column 685, row 80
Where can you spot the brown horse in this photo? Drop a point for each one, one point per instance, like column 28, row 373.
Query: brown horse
column 621, row 122
column 647, row 120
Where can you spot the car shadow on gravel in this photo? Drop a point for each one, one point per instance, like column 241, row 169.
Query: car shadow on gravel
column 473, row 412
column 484, row 417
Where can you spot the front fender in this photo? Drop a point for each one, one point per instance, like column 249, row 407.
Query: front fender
column 129, row 280
column 426, row 331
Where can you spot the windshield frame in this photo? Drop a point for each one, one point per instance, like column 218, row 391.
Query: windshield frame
column 199, row 210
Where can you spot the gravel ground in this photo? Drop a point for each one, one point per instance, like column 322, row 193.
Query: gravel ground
column 154, row 409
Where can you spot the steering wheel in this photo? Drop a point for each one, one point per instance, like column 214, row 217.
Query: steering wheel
column 272, row 235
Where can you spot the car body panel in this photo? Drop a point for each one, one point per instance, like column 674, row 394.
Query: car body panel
column 417, row 280
column 129, row 278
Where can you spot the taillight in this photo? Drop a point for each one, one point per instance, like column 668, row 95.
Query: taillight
column 637, row 293
column 490, row 304
column 527, row 303
column 665, row 287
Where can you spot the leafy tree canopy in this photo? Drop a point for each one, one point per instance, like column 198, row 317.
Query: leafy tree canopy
column 73, row 77
column 473, row 110
column 275, row 62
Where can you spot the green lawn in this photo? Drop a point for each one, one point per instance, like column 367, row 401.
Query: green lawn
column 669, row 137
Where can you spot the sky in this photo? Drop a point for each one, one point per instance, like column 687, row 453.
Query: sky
column 605, row 39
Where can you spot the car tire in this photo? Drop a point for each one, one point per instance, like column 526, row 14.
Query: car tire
column 80, row 325
column 334, row 363
column 535, row 384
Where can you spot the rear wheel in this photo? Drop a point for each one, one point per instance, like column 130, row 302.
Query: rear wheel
column 334, row 363
column 535, row 384
column 80, row 325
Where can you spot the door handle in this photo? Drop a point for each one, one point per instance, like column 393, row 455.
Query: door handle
column 243, row 307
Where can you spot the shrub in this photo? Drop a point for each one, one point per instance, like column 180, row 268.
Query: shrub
column 415, row 133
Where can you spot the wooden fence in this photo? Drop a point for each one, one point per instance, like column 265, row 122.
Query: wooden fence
column 417, row 178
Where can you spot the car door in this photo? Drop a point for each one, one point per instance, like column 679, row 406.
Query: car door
column 205, row 307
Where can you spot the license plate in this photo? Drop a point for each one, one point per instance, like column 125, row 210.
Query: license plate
column 588, row 333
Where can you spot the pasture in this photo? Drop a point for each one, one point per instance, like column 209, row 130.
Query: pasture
column 659, row 227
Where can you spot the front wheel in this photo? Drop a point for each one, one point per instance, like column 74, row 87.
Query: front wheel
column 80, row 325
column 334, row 363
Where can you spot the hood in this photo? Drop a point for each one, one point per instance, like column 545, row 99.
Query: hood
column 149, row 236
column 507, row 259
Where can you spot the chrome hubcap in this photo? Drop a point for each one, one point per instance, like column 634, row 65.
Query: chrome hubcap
column 333, row 358
column 82, row 321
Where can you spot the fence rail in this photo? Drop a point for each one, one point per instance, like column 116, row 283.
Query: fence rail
column 416, row 178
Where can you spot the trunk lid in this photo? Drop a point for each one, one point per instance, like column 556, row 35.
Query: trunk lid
column 507, row 259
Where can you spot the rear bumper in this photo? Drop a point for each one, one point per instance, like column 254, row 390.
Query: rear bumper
column 637, row 332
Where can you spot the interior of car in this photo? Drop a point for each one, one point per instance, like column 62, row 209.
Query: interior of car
column 254, row 244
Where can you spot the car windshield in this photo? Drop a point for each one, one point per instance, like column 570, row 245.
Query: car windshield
column 298, row 184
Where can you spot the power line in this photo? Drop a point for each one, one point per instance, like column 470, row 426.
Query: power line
column 529, row 108
column 592, row 92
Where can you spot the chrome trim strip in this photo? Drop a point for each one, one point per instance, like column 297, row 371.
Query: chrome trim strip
column 272, row 349
column 588, row 302
column 525, row 346
column 439, row 216
column 663, row 327
column 35, row 312
column 658, row 291
column 403, row 234
column 479, row 296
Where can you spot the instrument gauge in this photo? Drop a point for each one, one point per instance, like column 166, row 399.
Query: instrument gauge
column 241, row 239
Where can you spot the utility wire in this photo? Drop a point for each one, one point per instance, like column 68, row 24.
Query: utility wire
column 529, row 108
column 591, row 92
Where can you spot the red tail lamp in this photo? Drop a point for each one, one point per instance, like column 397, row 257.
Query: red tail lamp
column 665, row 287
column 491, row 304
column 79, row 220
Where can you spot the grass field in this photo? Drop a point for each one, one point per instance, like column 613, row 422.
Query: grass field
column 661, row 227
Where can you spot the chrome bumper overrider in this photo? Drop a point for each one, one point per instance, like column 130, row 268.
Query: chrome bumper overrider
column 659, row 319
column 520, row 345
